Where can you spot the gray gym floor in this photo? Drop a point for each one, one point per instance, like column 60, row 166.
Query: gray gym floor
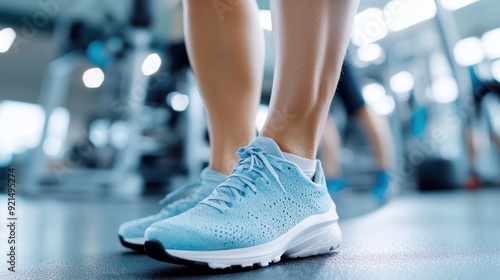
column 446, row 235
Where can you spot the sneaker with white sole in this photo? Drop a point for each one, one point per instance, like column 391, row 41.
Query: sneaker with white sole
column 131, row 234
column 264, row 210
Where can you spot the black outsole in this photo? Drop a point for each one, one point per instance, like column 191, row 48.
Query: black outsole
column 135, row 247
column 155, row 250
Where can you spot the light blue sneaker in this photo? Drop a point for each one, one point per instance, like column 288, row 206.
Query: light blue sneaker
column 131, row 233
column 264, row 210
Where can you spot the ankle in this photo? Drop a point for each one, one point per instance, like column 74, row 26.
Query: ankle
column 293, row 144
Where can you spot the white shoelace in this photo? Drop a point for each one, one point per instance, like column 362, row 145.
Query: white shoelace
column 253, row 159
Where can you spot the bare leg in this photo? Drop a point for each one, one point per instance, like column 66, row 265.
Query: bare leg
column 380, row 135
column 496, row 139
column 330, row 150
column 471, row 149
column 227, row 56
column 310, row 41
column 472, row 182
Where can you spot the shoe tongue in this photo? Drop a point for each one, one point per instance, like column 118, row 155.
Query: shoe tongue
column 268, row 145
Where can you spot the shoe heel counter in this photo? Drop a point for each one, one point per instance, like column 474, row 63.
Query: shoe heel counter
column 319, row 177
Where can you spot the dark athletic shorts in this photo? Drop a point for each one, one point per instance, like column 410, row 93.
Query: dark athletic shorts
column 349, row 91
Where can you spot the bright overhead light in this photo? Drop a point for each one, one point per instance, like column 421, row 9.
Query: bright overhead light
column 178, row 101
column 370, row 52
column 444, row 90
column 402, row 82
column 409, row 13
column 7, row 37
column 495, row 70
column 265, row 19
column 384, row 106
column 151, row 64
column 369, row 26
column 93, row 78
column 468, row 51
column 372, row 93
column 456, row 4
column 491, row 43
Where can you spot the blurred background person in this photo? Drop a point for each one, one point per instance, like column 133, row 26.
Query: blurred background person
column 473, row 133
column 375, row 127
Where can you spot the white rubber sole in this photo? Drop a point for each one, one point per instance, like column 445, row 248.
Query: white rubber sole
column 135, row 241
column 315, row 235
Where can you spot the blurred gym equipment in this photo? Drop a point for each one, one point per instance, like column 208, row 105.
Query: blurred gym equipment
column 100, row 113
column 74, row 40
column 128, row 61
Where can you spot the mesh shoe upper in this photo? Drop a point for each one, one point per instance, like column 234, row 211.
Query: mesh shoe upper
column 263, row 198
column 175, row 203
